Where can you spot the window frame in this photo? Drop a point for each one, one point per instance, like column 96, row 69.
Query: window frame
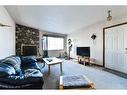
column 54, row 37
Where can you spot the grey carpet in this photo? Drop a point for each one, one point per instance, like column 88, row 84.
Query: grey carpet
column 101, row 79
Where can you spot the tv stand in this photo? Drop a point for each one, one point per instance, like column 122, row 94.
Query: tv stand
column 85, row 60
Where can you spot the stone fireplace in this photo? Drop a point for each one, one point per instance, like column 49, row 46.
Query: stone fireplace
column 26, row 36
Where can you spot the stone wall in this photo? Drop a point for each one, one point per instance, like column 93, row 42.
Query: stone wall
column 26, row 36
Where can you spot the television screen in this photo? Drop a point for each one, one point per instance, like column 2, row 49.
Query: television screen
column 83, row 51
column 29, row 50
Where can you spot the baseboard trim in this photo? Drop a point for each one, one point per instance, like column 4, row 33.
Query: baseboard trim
column 118, row 73
column 97, row 65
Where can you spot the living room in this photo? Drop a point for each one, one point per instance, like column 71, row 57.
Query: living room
column 59, row 32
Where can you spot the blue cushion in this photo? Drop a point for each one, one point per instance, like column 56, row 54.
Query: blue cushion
column 29, row 62
column 6, row 70
column 32, row 73
column 13, row 61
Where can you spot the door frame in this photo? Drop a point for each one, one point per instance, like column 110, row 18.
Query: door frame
column 104, row 39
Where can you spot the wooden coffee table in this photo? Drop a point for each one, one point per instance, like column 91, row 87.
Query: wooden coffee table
column 53, row 61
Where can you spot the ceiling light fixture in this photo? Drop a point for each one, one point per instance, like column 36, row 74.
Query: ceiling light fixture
column 109, row 18
column 3, row 25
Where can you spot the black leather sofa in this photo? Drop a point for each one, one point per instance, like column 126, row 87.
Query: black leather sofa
column 18, row 72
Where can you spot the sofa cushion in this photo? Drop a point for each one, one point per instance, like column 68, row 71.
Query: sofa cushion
column 6, row 70
column 17, row 80
column 32, row 73
column 29, row 62
column 13, row 61
column 30, row 76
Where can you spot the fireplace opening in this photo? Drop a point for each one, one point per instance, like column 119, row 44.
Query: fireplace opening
column 29, row 50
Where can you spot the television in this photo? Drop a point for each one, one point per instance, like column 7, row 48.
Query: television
column 83, row 51
column 29, row 50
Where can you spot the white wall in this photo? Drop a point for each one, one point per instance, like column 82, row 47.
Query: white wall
column 7, row 34
column 82, row 37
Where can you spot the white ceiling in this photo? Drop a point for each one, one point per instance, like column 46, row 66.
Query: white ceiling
column 62, row 19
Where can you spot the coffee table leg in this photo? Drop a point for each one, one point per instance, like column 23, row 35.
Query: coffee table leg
column 61, row 83
column 48, row 69
column 61, row 68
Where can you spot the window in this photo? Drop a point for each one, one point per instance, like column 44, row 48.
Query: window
column 53, row 43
